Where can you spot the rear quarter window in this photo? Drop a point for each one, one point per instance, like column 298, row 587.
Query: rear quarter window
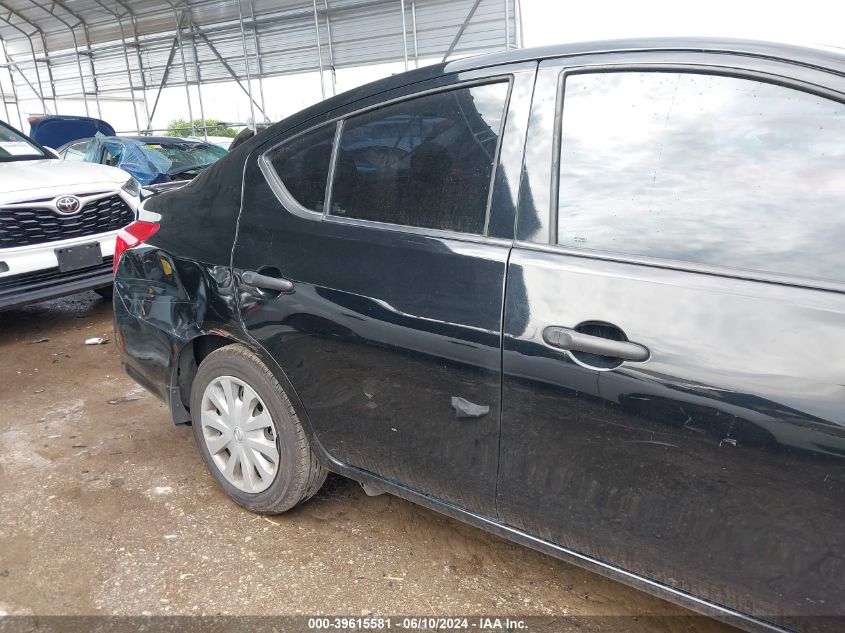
column 423, row 162
column 302, row 165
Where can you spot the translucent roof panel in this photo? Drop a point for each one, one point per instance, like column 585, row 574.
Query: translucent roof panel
column 60, row 48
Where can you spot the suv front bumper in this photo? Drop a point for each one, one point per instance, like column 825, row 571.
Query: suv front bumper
column 30, row 274
column 18, row 290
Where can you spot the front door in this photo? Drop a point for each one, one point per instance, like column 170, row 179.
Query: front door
column 391, row 334
column 674, row 375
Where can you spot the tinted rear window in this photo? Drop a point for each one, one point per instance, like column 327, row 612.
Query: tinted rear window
column 425, row 162
column 303, row 166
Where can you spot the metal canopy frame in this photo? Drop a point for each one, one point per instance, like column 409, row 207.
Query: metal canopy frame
column 126, row 50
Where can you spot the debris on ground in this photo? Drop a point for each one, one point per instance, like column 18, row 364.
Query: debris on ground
column 122, row 400
column 43, row 339
column 97, row 340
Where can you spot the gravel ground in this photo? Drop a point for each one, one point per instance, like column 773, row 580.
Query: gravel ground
column 107, row 509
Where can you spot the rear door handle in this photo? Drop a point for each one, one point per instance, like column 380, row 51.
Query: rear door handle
column 574, row 341
column 257, row 280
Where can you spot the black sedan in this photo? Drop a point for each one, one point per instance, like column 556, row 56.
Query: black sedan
column 589, row 297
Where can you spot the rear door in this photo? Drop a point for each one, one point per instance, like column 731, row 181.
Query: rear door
column 391, row 331
column 674, row 375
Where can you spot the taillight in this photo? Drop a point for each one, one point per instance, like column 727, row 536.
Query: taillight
column 131, row 236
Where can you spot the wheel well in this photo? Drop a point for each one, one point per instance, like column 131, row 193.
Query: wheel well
column 189, row 360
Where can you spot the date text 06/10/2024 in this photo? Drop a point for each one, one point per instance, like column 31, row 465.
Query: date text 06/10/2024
column 375, row 623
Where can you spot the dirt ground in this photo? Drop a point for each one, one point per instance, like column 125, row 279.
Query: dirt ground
column 107, row 509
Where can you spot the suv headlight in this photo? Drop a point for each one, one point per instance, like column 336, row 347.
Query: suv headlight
column 132, row 187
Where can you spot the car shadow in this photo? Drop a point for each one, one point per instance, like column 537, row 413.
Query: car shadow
column 40, row 320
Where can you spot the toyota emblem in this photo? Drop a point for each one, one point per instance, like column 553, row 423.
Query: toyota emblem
column 68, row 205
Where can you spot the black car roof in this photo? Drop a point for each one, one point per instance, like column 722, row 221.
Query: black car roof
column 822, row 58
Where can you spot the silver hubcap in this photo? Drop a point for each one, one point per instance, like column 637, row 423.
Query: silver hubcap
column 239, row 434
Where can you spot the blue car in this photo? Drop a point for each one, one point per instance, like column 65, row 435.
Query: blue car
column 58, row 130
column 157, row 162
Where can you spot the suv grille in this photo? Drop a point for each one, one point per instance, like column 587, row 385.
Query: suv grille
column 24, row 227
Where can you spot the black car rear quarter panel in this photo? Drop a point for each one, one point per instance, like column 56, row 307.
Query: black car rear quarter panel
column 178, row 285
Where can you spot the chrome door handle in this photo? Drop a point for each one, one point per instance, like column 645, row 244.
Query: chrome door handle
column 574, row 341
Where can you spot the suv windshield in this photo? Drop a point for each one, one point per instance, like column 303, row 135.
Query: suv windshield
column 15, row 146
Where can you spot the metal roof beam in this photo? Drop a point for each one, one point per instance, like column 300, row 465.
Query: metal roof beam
column 133, row 21
column 246, row 65
column 199, row 78
column 223, row 28
column 75, row 50
column 285, row 34
column 125, row 59
column 319, row 50
column 40, row 92
column 14, row 90
column 257, row 58
column 414, row 30
column 163, row 81
column 228, row 68
column 461, row 30
column 84, row 25
column 331, row 49
column 178, row 19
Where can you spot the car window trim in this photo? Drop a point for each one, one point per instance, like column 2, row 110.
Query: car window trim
column 286, row 198
column 712, row 270
column 658, row 262
column 338, row 136
column 278, row 187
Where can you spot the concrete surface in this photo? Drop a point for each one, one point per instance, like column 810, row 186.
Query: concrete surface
column 107, row 509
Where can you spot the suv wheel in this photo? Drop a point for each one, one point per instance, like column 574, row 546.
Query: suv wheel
column 249, row 435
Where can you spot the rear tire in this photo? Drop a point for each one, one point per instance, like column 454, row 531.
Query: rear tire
column 241, row 413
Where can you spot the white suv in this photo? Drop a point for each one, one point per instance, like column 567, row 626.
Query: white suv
column 58, row 221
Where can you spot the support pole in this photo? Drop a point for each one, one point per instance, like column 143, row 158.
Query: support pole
column 258, row 60
column 246, row 63
column 197, row 73
column 164, row 77
column 140, row 61
column 331, row 50
column 34, row 89
column 125, row 60
column 228, row 68
column 14, row 90
column 184, row 67
column 461, row 30
column 507, row 25
column 75, row 52
column 40, row 92
column 319, row 49
column 49, row 66
column 134, row 24
column 404, row 33
column 2, row 92
column 5, row 106
column 414, row 29
column 90, row 54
